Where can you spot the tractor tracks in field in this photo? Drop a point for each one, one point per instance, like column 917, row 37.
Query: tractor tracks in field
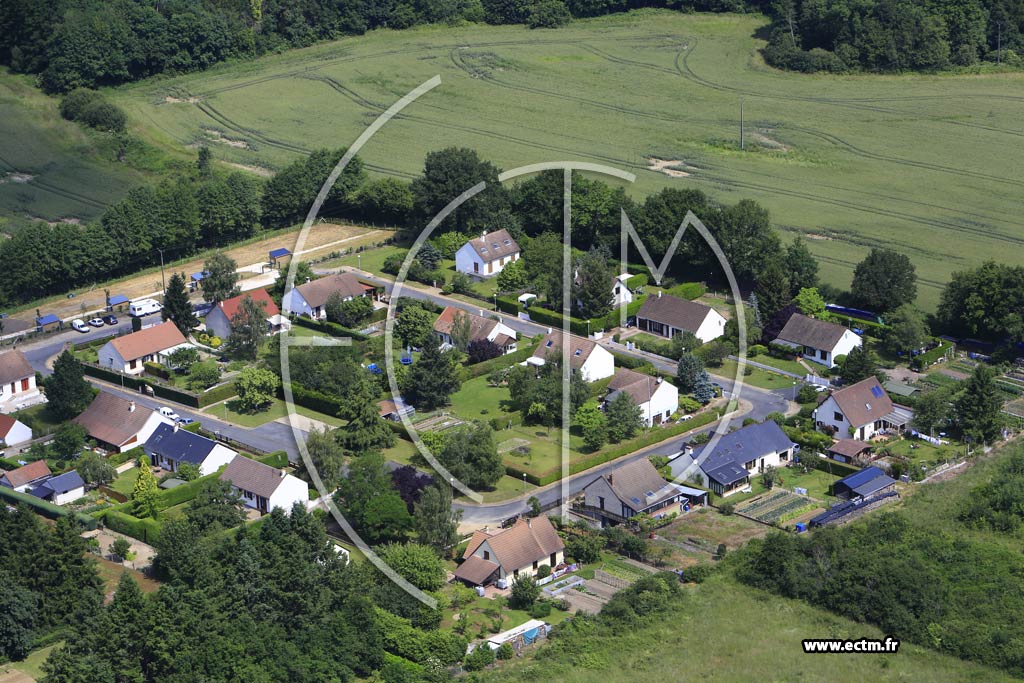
column 46, row 186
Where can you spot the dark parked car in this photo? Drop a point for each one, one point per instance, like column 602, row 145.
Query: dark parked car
column 110, row 319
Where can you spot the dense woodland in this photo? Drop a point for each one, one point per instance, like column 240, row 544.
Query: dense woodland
column 76, row 43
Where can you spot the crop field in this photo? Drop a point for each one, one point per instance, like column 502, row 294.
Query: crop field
column 926, row 164
column 49, row 168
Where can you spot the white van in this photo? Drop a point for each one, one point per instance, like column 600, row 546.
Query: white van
column 144, row 307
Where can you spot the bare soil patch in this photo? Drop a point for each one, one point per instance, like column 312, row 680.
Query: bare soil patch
column 674, row 168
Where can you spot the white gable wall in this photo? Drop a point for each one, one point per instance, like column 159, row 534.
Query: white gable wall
column 291, row 490
column 829, row 415
column 713, row 326
column 467, row 260
column 220, row 456
column 19, row 433
column 663, row 403
column 600, row 364
column 69, row 497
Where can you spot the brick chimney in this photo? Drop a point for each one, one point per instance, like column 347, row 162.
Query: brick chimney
column 611, row 478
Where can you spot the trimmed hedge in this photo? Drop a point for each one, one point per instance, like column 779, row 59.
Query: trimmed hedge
column 630, row 362
column 928, row 358
column 332, row 329
column 156, row 370
column 639, row 280
column 146, row 530
column 44, row 508
column 314, row 400
column 116, row 459
column 687, row 290
column 182, row 494
column 186, row 398
column 218, row 394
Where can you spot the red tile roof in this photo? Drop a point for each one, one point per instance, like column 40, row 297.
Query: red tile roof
column 29, row 473
column 231, row 306
column 149, row 341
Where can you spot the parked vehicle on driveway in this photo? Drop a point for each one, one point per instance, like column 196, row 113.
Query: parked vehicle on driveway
column 96, row 322
column 79, row 324
column 110, row 319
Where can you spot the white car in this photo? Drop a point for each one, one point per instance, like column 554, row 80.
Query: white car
column 79, row 324
column 96, row 322
column 168, row 413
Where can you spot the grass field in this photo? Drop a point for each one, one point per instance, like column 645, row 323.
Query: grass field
column 921, row 163
column 756, row 637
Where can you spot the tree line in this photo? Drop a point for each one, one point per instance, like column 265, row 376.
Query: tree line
column 893, row 35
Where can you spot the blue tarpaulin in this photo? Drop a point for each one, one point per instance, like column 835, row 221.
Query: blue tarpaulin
column 530, row 637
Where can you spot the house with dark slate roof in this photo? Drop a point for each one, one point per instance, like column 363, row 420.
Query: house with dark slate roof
column 669, row 316
column 61, row 489
column 728, row 466
column 170, row 446
column 868, row 482
column 818, row 340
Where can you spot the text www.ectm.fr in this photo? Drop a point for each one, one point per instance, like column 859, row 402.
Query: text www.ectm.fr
column 860, row 645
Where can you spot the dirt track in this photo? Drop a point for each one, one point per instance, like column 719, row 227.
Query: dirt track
column 323, row 238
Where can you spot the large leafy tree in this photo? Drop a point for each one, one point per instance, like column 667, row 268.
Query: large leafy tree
column 145, row 492
column 592, row 424
column 217, row 504
column 348, row 313
column 66, row 390
column 364, row 431
column 367, row 499
column 248, row 329
column 436, row 521
column 94, row 468
column 592, row 283
column 537, row 392
column 906, row 329
column 884, row 281
column 932, row 411
column 177, row 308
column 18, row 607
column 978, row 410
column 418, row 564
column 801, row 265
column 688, row 371
column 859, row 364
column 543, row 258
column 625, row 417
column 289, row 195
column 326, row 455
column 449, row 172
column 810, row 303
column 470, row 454
column 773, row 289
column 985, row 303
column 434, row 377
column 413, row 325
column 256, row 387
column 221, row 281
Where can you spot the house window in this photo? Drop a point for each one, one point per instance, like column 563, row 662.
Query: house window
column 600, row 502
column 487, row 554
column 131, row 365
column 476, row 267
column 516, row 573
column 824, row 354
column 553, row 559
column 535, row 565
column 837, row 416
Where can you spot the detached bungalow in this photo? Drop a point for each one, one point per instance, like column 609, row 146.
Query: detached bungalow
column 309, row 299
column 669, row 316
column 486, row 255
column 263, row 487
column 860, row 411
column 479, row 328
column 656, row 398
column 17, row 381
column 24, row 478
column 818, row 340
column 218, row 320
column 13, row 432
column 506, row 553
column 592, row 360
column 848, row 450
column 170, row 446
column 117, row 423
column 738, row 456
column 62, row 489
column 128, row 353
column 630, row 490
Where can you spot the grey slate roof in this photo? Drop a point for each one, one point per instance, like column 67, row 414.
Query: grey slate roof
column 252, row 476
column 62, row 483
column 639, row 486
column 816, row 334
column 725, row 463
column 179, row 445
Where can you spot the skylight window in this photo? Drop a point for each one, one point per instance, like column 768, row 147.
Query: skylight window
column 876, row 392
column 549, row 344
column 508, row 243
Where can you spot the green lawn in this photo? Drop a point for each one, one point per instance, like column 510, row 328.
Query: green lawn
column 786, row 365
column 277, row 409
column 923, row 453
column 757, row 377
column 125, row 482
column 33, row 664
column 370, row 260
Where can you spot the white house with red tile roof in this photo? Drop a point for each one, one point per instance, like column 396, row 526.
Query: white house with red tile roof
column 24, row 478
column 479, row 328
column 592, row 360
column 218, row 320
column 128, row 353
column 656, row 398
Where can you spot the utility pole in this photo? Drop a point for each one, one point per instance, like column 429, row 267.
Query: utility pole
column 742, row 140
column 163, row 283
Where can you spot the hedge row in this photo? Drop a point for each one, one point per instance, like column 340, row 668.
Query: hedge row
column 146, row 530
column 332, row 329
column 554, row 319
column 314, row 400
column 44, row 508
column 116, row 459
column 217, row 394
column 930, row 357
column 652, row 437
column 183, row 493
column 186, row 398
column 485, row 367
column 156, row 370
column 630, row 362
